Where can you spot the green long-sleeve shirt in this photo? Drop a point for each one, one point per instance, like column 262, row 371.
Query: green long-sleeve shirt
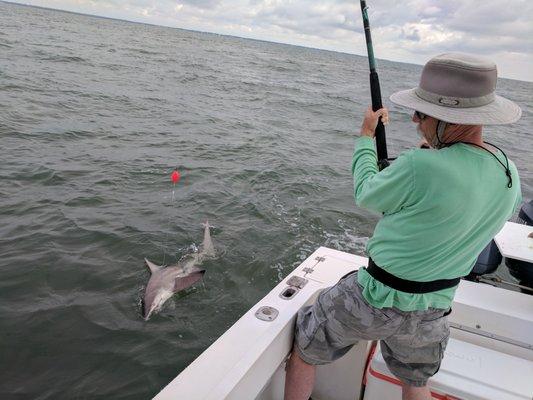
column 440, row 209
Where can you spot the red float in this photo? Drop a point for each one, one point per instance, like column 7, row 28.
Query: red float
column 175, row 176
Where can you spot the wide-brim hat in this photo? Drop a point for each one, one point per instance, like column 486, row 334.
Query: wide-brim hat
column 459, row 88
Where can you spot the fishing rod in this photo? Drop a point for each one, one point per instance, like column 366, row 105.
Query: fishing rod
column 375, row 91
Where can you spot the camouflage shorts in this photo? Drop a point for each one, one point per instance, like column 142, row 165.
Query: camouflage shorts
column 412, row 342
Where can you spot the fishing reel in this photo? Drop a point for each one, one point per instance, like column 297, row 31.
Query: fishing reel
column 385, row 162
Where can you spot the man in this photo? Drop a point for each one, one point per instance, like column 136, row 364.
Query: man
column 440, row 206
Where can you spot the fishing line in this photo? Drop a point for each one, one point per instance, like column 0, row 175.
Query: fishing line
column 165, row 240
column 174, row 177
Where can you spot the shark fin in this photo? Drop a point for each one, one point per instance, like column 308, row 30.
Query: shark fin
column 153, row 267
column 189, row 280
column 206, row 248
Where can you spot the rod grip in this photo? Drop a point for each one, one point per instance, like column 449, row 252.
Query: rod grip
column 381, row 143
column 375, row 91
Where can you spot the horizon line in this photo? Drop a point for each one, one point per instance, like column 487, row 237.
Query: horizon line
column 223, row 34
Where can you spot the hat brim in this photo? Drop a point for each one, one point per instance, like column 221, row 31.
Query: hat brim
column 501, row 111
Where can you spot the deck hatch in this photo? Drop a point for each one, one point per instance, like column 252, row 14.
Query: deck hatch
column 289, row 292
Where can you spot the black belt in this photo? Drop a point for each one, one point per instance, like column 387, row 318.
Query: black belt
column 405, row 285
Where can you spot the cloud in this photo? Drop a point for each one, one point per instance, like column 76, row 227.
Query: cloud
column 410, row 30
column 201, row 3
column 411, row 33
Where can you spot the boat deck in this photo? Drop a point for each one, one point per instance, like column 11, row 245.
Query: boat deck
column 248, row 360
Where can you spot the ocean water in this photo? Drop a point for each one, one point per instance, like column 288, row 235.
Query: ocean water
column 95, row 114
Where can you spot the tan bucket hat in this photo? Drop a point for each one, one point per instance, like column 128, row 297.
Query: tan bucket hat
column 459, row 88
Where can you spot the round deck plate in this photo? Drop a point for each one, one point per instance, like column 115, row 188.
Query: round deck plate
column 267, row 313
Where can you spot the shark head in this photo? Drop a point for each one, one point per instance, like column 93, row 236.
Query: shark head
column 164, row 282
column 153, row 301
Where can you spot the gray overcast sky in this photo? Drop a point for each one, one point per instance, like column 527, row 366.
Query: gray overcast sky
column 408, row 30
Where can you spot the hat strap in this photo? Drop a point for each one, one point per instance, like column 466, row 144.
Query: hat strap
column 441, row 127
column 506, row 165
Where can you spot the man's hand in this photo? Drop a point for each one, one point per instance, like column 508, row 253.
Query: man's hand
column 371, row 121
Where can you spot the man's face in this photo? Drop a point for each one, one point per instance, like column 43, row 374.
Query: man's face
column 427, row 128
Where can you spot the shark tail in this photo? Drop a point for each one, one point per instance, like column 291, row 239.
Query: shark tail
column 206, row 248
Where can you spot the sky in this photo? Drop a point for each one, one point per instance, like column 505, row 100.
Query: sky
column 403, row 30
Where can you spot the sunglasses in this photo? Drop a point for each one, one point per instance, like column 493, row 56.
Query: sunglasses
column 421, row 116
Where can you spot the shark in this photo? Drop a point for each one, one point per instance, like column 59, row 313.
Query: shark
column 165, row 281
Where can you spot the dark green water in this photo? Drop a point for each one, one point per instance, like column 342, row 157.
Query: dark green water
column 95, row 114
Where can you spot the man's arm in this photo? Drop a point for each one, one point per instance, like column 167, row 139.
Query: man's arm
column 389, row 190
